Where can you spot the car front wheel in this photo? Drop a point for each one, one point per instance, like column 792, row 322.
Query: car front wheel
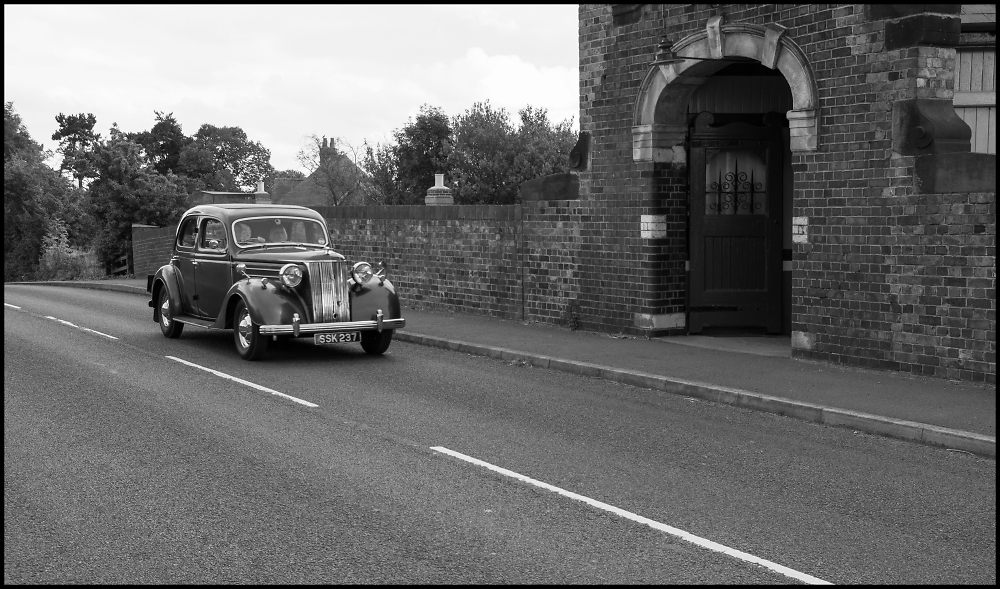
column 249, row 342
column 375, row 342
column 168, row 326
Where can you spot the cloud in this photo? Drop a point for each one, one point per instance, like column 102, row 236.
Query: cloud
column 282, row 72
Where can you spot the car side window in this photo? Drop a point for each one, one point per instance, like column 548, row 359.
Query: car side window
column 213, row 236
column 188, row 233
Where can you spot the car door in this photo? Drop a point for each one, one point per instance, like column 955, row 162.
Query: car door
column 213, row 275
column 186, row 263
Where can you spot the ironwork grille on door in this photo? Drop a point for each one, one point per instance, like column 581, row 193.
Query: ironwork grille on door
column 734, row 183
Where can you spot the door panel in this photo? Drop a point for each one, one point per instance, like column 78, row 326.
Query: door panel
column 214, row 274
column 187, row 264
column 735, row 226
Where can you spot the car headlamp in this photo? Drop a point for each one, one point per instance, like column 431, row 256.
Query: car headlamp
column 291, row 275
column 361, row 272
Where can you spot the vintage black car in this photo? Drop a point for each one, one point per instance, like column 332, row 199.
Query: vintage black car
column 268, row 272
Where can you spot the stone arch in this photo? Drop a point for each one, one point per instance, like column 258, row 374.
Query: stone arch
column 659, row 123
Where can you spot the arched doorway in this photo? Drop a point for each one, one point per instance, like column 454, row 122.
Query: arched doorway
column 777, row 78
column 739, row 202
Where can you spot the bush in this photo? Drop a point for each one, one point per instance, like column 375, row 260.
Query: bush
column 60, row 261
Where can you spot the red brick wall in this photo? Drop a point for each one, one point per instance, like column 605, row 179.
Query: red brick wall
column 151, row 248
column 453, row 258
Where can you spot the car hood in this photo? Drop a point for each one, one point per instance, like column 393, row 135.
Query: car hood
column 286, row 254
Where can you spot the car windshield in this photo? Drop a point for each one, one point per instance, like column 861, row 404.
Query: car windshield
column 278, row 231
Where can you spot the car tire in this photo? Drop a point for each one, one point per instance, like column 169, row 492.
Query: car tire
column 168, row 326
column 374, row 342
column 249, row 342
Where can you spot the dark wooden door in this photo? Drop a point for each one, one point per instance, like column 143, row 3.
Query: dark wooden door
column 735, row 226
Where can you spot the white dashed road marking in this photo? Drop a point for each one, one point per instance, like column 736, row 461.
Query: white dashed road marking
column 78, row 327
column 11, row 306
column 245, row 382
column 697, row 540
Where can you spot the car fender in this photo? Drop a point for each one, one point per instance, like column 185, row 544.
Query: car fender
column 368, row 298
column 167, row 277
column 268, row 301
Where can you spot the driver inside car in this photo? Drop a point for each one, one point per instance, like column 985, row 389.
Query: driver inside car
column 243, row 233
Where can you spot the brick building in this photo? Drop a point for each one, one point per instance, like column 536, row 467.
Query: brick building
column 789, row 168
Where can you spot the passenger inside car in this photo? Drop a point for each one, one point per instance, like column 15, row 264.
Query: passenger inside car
column 278, row 234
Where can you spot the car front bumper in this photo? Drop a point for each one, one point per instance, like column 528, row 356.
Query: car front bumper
column 376, row 325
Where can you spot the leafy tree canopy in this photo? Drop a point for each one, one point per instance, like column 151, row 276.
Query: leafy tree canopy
column 33, row 195
column 16, row 140
column 76, row 139
column 163, row 143
column 224, row 158
column 129, row 190
column 380, row 164
column 481, row 160
column 420, row 152
column 484, row 154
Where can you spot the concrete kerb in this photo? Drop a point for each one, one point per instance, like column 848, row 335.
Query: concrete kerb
column 874, row 424
column 93, row 286
column 868, row 423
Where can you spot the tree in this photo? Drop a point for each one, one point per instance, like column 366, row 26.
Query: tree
column 129, row 190
column 76, row 144
column 163, row 143
column 420, row 152
column 381, row 166
column 335, row 171
column 542, row 148
column 489, row 158
column 33, row 195
column 16, row 140
column 482, row 155
column 293, row 174
column 224, row 158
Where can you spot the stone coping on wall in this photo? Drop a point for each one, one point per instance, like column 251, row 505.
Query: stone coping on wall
column 420, row 212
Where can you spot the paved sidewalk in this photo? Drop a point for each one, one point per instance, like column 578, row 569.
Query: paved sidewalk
column 752, row 372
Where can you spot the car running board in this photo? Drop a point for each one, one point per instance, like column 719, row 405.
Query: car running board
column 188, row 320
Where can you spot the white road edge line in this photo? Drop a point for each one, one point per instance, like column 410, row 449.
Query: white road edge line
column 697, row 540
column 78, row 327
column 11, row 306
column 245, row 382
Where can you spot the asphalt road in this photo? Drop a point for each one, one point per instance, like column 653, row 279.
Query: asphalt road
column 123, row 465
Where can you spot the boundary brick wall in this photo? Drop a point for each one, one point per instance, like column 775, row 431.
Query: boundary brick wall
column 450, row 258
column 151, row 248
column 888, row 278
column 512, row 262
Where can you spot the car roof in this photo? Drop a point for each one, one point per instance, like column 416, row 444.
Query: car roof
column 233, row 212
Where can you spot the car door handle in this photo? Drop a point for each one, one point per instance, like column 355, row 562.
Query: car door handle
column 194, row 263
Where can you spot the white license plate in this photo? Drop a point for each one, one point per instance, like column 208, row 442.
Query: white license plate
column 337, row 338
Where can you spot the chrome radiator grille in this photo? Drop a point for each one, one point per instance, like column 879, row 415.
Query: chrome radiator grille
column 328, row 285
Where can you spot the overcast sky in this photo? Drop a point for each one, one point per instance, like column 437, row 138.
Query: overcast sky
column 282, row 73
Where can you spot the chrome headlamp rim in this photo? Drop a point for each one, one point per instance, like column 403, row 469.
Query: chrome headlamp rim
column 291, row 275
column 361, row 272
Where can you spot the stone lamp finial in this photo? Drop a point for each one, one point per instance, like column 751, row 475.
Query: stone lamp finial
column 260, row 197
column 439, row 194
